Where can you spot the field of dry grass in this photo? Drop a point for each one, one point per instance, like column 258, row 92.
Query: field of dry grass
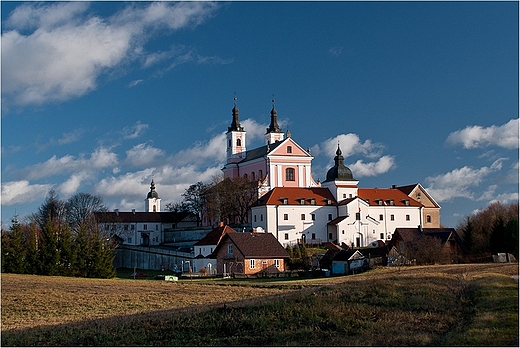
column 429, row 301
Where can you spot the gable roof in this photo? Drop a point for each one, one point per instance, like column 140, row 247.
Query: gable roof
column 215, row 235
column 293, row 195
column 255, row 245
column 347, row 255
column 408, row 189
column 373, row 195
column 129, row 217
column 443, row 233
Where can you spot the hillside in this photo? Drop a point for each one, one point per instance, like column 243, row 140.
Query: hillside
column 440, row 305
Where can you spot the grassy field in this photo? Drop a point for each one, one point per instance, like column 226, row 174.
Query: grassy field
column 452, row 305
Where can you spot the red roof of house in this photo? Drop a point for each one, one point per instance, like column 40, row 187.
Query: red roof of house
column 374, row 195
column 294, row 194
column 215, row 235
column 256, row 245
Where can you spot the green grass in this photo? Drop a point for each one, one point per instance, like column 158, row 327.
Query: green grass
column 413, row 307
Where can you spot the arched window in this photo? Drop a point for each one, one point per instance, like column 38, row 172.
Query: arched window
column 229, row 143
column 245, row 176
column 289, row 174
column 428, row 218
column 289, row 149
column 252, row 175
column 239, row 142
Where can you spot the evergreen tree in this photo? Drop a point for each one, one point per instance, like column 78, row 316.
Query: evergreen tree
column 497, row 242
column 48, row 252
column 468, row 235
column 13, row 249
column 32, row 244
column 512, row 236
column 67, row 251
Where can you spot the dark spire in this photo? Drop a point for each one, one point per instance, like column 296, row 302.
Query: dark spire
column 152, row 193
column 273, row 127
column 235, row 123
column 339, row 171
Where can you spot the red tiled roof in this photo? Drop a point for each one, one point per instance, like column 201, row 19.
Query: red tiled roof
column 375, row 194
column 257, row 245
column 294, row 194
column 215, row 235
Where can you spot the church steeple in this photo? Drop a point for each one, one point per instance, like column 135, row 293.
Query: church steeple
column 274, row 132
column 152, row 202
column 236, row 137
column 339, row 171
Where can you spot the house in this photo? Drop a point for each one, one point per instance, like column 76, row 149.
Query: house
column 203, row 249
column 348, row 262
column 428, row 245
column 245, row 253
column 295, row 208
column 146, row 228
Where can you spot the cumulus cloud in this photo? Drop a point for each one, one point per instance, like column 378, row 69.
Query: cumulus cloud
column 350, row 144
column 362, row 169
column 458, row 182
column 143, row 154
column 55, row 52
column 209, row 153
column 99, row 159
column 18, row 192
column 70, row 186
column 505, row 136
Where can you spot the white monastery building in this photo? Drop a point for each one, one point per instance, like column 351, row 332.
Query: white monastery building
column 295, row 208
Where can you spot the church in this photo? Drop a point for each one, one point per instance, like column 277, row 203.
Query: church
column 295, row 208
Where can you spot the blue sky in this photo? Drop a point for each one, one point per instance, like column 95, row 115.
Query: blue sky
column 101, row 97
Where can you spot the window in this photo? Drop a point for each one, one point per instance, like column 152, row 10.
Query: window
column 407, row 217
column 245, row 176
column 392, row 217
column 302, row 201
column 285, row 201
column 277, row 263
column 125, row 227
column 229, row 143
column 239, row 142
column 313, row 216
column 428, row 218
column 286, row 236
column 330, row 235
column 261, row 217
column 380, row 217
column 358, row 216
column 129, row 240
column 342, row 231
column 313, row 201
column 303, row 217
column 145, row 226
column 154, row 209
column 330, row 217
column 254, row 218
column 313, row 236
column 230, row 250
column 157, row 227
column 252, row 175
column 252, row 263
column 260, row 174
column 382, row 236
column 289, row 149
column 286, row 216
column 344, row 195
column 289, row 174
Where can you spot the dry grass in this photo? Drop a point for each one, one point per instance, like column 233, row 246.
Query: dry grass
column 416, row 306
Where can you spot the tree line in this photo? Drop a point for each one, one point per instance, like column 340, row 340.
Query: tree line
column 491, row 231
column 61, row 238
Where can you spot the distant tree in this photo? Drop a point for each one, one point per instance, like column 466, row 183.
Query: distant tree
column 67, row 251
column 49, row 254
column 13, row 249
column 468, row 235
column 194, row 199
column 80, row 208
column 52, row 209
column 177, row 207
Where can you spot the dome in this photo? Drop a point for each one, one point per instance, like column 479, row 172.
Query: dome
column 152, row 193
column 339, row 171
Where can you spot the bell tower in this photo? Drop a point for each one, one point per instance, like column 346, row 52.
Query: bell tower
column 152, row 203
column 274, row 132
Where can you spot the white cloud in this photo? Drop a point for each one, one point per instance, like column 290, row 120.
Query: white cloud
column 99, row 159
column 71, row 186
column 458, row 182
column 350, row 145
column 208, row 153
column 17, row 192
column 143, row 155
column 362, row 169
column 132, row 132
column 505, row 136
column 55, row 52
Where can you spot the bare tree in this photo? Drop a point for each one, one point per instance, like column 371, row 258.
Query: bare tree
column 194, row 199
column 80, row 209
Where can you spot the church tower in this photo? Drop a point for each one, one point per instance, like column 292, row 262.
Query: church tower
column 152, row 203
column 274, row 133
column 236, row 138
column 340, row 180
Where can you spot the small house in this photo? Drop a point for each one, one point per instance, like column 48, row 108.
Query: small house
column 348, row 262
column 250, row 253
